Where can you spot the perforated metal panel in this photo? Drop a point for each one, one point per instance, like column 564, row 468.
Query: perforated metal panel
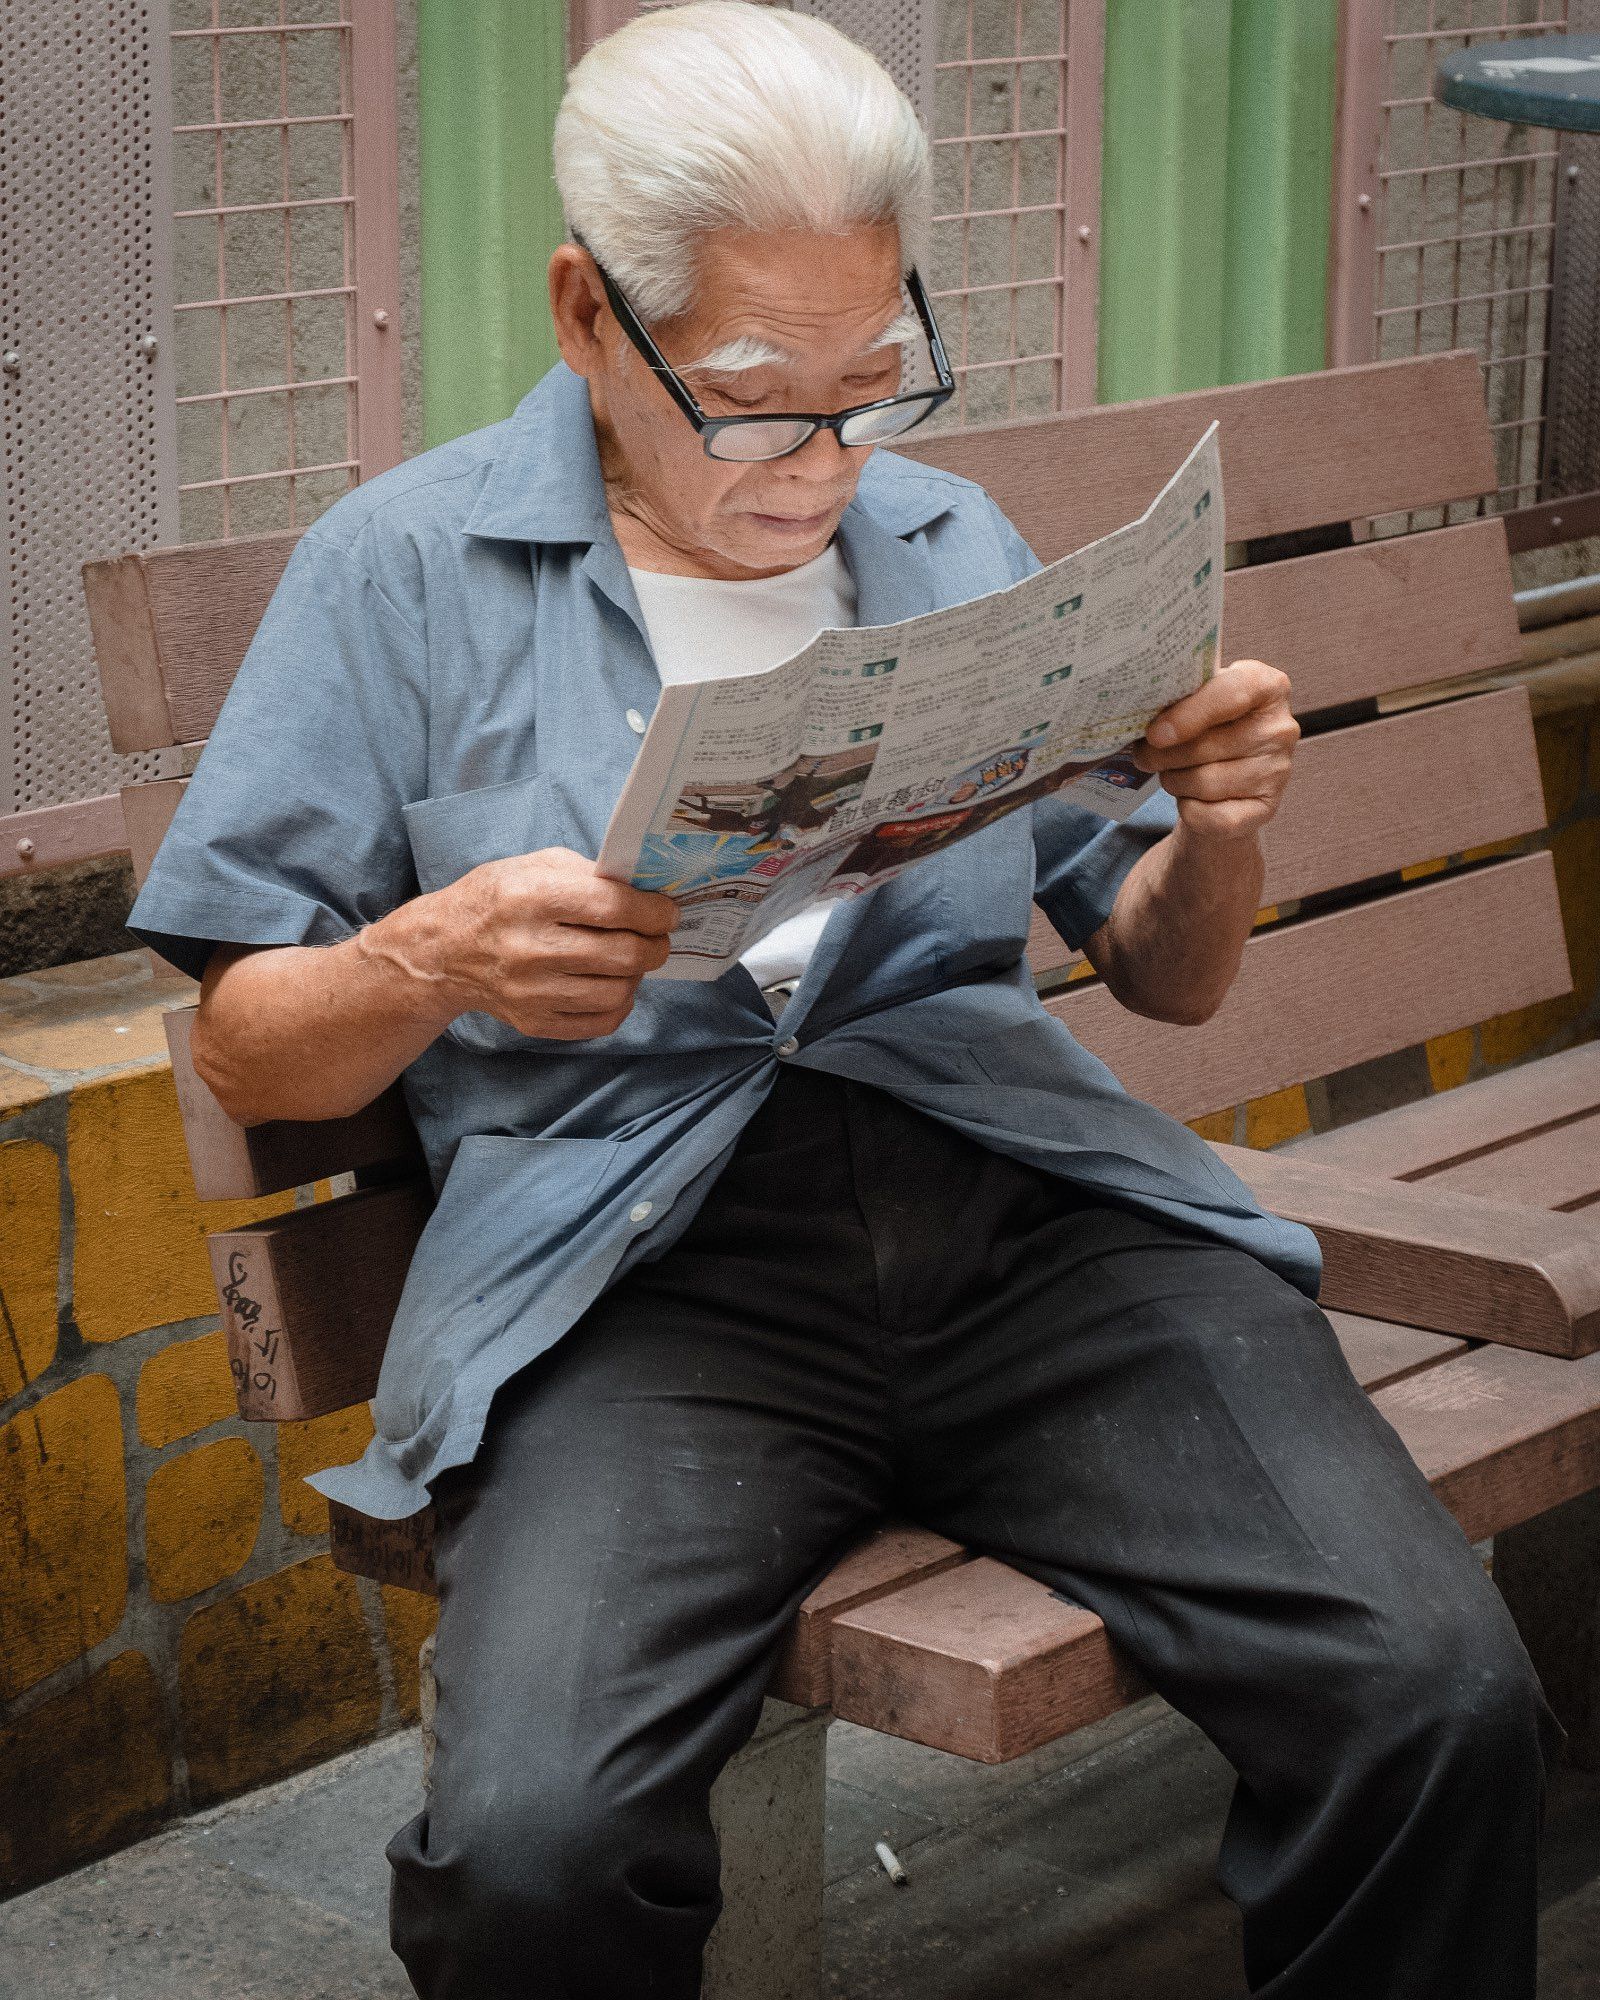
column 86, row 402
column 1013, row 104
column 898, row 32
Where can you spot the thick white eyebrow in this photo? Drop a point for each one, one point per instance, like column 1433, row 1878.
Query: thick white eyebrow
column 751, row 351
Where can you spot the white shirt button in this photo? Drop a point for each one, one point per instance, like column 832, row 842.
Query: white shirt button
column 789, row 1048
column 635, row 722
column 640, row 1210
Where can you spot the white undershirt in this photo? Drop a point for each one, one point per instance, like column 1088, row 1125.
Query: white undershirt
column 702, row 628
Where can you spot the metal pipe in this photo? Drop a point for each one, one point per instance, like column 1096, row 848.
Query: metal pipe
column 1548, row 603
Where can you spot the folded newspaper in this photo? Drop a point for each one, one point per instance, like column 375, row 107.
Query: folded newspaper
column 754, row 795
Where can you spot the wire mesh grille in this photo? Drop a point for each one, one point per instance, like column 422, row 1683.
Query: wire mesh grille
column 264, row 258
column 1000, row 195
column 1465, row 224
column 999, row 275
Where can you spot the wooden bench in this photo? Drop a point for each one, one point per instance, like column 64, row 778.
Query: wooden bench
column 1462, row 1253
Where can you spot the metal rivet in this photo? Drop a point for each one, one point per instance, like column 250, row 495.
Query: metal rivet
column 12, row 361
column 1083, row 232
column 1363, row 201
column 380, row 317
column 148, row 344
column 25, row 848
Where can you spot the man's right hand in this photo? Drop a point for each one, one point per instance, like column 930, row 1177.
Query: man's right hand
column 548, row 945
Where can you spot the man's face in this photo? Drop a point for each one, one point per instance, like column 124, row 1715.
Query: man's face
column 822, row 300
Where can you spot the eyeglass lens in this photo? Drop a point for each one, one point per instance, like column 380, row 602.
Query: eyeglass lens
column 784, row 434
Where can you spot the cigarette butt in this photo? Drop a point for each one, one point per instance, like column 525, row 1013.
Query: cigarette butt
column 886, row 1855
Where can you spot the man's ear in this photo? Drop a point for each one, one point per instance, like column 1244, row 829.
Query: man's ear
column 576, row 296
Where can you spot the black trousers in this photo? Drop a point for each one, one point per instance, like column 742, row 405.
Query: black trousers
column 872, row 1314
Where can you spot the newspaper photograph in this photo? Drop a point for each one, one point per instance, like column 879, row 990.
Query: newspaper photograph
column 754, row 795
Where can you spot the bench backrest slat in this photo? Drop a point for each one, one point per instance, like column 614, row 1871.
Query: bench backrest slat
column 170, row 627
column 1299, row 451
column 1351, row 624
column 1327, row 991
column 1380, row 796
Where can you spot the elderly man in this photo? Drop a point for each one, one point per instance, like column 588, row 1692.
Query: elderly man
column 721, row 1274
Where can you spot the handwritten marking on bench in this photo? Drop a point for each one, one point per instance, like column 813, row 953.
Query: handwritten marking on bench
column 246, row 1314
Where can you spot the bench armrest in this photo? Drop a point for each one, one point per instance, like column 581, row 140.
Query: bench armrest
column 1454, row 1263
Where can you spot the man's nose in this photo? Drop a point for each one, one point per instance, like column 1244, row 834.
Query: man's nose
column 823, row 460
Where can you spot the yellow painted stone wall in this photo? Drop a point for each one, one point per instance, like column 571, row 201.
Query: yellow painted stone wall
column 172, row 1630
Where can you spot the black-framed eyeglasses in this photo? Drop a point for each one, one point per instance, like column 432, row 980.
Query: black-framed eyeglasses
column 753, row 438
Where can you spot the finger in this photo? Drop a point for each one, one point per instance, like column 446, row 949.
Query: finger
column 1237, row 778
column 1236, row 688
column 611, row 954
column 1258, row 733
column 619, row 906
column 1228, row 819
column 570, row 889
column 585, row 993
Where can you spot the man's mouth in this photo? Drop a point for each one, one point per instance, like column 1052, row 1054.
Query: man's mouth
column 793, row 524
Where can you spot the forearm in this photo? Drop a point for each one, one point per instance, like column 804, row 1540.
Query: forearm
column 318, row 1031
column 1171, row 947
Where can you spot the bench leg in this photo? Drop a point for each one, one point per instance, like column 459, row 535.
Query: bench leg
column 1548, row 1571
column 427, row 1696
column 767, row 1807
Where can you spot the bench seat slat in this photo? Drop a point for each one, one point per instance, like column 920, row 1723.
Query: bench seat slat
column 1558, row 1168
column 893, row 1556
column 1318, row 994
column 982, row 1661
column 1381, row 1351
column 1501, row 1435
column 986, row 1662
column 1413, row 1141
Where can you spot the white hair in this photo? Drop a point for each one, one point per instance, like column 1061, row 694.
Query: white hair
column 733, row 114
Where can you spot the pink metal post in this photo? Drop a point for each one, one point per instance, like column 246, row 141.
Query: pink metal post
column 377, row 191
column 1034, row 96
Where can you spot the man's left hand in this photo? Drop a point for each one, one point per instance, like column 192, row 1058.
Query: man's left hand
column 1228, row 749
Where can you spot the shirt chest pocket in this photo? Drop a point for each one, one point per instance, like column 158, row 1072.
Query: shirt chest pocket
column 453, row 832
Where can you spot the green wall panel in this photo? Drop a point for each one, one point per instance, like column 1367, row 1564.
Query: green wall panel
column 489, row 80
column 1216, row 184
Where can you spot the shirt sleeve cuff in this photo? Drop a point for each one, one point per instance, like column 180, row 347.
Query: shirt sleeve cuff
column 1083, row 896
column 184, row 929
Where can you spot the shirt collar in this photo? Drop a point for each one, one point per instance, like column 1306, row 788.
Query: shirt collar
column 545, row 483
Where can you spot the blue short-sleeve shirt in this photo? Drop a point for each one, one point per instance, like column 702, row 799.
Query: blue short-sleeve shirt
column 443, row 677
